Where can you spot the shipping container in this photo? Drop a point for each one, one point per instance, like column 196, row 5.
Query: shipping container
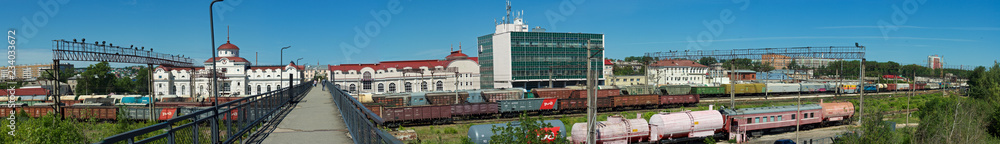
column 600, row 93
column 616, row 129
column 640, row 90
column 475, row 109
column 447, row 98
column 559, row 93
column 635, row 100
column 533, row 104
column 754, row 88
column 481, row 134
column 679, row 99
column 675, row 89
column 503, row 94
column 708, row 90
column 782, row 88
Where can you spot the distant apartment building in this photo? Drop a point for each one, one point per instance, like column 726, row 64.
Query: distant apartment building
column 514, row 56
column 456, row 72
column 678, row 72
column 626, row 80
column 781, row 61
column 934, row 62
column 29, row 72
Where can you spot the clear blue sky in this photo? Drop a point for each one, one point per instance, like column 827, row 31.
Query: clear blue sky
column 964, row 32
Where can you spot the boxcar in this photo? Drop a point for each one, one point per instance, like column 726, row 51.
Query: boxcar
column 473, row 109
column 678, row 99
column 532, row 104
column 436, row 114
column 675, row 89
column 447, row 98
column 813, row 87
column 559, row 93
column 782, row 88
column 572, row 104
column 600, row 93
column 640, row 90
column 86, row 112
column 503, row 94
column 635, row 100
column 744, row 88
column 707, row 90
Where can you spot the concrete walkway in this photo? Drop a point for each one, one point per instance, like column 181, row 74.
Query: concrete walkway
column 316, row 119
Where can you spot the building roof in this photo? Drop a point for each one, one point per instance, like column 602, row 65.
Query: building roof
column 228, row 46
column 27, row 92
column 455, row 55
column 608, row 62
column 676, row 63
column 234, row 59
column 773, row 109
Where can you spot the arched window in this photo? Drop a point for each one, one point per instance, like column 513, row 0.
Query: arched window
column 173, row 90
column 440, row 86
column 258, row 89
column 408, row 86
column 353, row 88
column 183, row 88
column 423, row 86
column 268, row 87
column 367, row 81
column 381, row 87
column 392, row 87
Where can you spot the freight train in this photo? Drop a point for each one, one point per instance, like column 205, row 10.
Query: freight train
column 687, row 126
column 421, row 108
column 113, row 107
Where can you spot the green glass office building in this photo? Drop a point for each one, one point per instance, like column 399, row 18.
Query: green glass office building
column 517, row 57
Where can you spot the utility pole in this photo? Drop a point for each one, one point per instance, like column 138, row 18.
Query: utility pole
column 861, row 80
column 591, row 96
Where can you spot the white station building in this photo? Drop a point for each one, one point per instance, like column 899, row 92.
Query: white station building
column 237, row 76
column 456, row 72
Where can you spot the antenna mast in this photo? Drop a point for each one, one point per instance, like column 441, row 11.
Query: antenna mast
column 508, row 12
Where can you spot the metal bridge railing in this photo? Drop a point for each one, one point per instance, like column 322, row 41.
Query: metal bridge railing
column 362, row 129
column 235, row 121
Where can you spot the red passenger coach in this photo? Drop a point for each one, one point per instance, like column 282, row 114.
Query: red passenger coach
column 755, row 121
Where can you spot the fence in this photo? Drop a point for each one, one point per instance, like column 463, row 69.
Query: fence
column 233, row 122
column 356, row 117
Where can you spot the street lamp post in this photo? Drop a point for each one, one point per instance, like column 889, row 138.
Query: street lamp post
column 280, row 61
column 211, row 23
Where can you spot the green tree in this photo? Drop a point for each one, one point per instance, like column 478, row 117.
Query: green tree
column 526, row 130
column 96, row 79
column 707, row 61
